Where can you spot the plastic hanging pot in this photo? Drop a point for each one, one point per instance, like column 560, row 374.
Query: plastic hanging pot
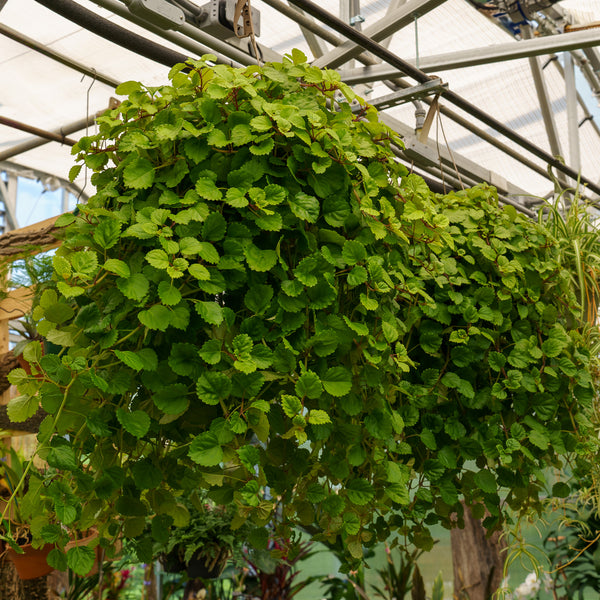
column 202, row 567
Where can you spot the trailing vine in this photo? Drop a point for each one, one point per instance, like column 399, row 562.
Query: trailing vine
column 260, row 300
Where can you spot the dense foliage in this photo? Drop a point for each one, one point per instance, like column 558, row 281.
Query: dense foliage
column 260, row 296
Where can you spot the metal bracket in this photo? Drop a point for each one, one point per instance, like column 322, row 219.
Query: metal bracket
column 435, row 86
column 356, row 20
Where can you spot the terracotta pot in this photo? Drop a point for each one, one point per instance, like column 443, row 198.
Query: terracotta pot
column 32, row 563
column 85, row 541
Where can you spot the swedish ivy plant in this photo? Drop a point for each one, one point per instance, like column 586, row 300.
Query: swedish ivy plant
column 261, row 301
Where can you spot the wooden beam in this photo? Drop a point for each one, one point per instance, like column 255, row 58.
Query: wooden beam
column 38, row 236
column 16, row 304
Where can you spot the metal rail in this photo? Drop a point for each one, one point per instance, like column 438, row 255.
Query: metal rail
column 368, row 44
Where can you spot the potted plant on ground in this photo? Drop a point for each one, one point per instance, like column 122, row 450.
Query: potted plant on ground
column 29, row 558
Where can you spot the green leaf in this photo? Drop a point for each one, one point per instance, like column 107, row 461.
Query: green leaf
column 539, row 438
column 496, row 360
column 205, row 450
column 260, row 260
column 486, row 481
column 189, row 246
column 261, row 123
column 158, row 259
column 85, row 263
column 131, row 359
column 211, row 312
column 134, row 287
column 168, row 293
column 305, row 207
column 318, row 417
column 172, row 400
column 63, row 457
column 118, row 267
column 561, row 490
column 80, row 559
column 214, row 228
column 552, row 347
column 20, row 408
column 353, row 252
column 208, row 189
column 146, row 475
column 183, row 358
column 337, row 381
column 156, row 317
column 212, row 387
column 211, row 352
column 291, row 405
column 107, row 234
column 359, row 491
column 137, row 423
column 309, row 385
column 199, row 272
column 258, row 298
column 241, row 134
column 139, row 174
column 357, row 276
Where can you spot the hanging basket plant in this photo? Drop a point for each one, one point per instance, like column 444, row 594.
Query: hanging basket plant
column 259, row 295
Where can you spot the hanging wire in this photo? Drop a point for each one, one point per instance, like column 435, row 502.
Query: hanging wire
column 441, row 124
column 87, row 127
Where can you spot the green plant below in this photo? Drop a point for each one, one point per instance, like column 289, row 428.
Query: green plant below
column 573, row 549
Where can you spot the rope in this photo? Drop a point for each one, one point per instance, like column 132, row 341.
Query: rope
column 246, row 29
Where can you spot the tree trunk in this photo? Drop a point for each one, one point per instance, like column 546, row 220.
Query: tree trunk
column 36, row 589
column 10, row 584
column 478, row 560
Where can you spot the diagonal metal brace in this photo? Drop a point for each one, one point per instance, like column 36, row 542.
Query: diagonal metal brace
column 435, row 86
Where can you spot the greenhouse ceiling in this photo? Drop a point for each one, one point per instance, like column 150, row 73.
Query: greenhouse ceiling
column 482, row 90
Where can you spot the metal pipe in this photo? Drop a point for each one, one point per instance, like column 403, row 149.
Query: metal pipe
column 572, row 118
column 49, row 135
column 57, row 56
column 542, row 94
column 119, row 35
column 385, row 55
column 62, row 131
column 189, row 37
column 304, row 21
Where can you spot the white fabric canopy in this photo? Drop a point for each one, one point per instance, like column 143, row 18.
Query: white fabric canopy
column 43, row 93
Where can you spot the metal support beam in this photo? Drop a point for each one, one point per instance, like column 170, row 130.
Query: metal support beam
column 304, row 20
column 435, row 86
column 60, row 132
column 190, row 38
column 479, row 56
column 542, row 94
column 390, row 24
column 367, row 43
column 572, row 118
column 314, row 42
column 49, row 135
column 16, row 169
column 8, row 196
